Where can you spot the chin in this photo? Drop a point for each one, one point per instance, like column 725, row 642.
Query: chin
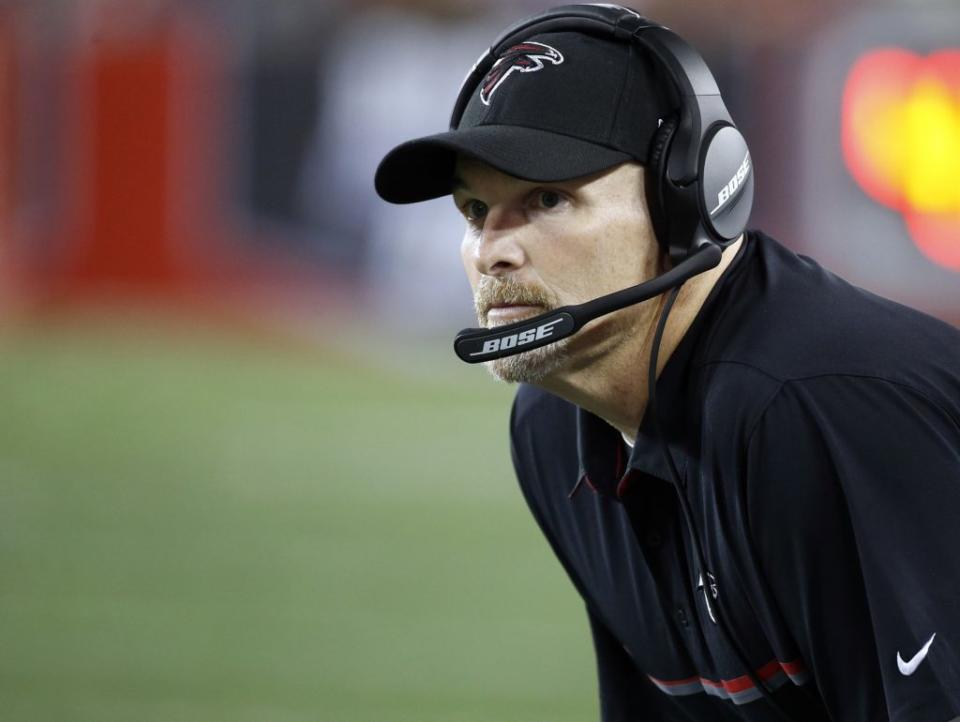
column 530, row 367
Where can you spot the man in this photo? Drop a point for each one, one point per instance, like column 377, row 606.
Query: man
column 773, row 536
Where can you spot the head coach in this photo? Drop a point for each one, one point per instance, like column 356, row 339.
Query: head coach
column 749, row 468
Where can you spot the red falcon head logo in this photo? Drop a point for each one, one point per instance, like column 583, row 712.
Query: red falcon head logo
column 525, row 58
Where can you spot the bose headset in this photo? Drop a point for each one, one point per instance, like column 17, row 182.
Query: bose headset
column 699, row 182
column 699, row 176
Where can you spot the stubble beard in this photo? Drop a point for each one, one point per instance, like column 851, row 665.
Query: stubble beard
column 530, row 366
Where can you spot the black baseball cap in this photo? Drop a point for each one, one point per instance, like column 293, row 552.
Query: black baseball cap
column 554, row 107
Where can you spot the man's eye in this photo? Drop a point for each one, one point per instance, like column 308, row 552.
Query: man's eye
column 475, row 210
column 546, row 199
column 549, row 199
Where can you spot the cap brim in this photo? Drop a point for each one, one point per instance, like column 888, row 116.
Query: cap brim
column 421, row 169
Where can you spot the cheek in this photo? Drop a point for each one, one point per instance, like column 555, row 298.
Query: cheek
column 608, row 256
column 467, row 254
column 627, row 250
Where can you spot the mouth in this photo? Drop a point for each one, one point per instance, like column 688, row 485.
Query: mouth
column 499, row 314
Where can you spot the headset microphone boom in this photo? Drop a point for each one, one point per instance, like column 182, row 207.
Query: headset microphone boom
column 475, row 345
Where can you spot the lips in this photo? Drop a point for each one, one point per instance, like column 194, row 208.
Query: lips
column 503, row 313
column 502, row 300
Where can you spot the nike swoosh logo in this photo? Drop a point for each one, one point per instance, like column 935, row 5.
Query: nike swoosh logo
column 908, row 668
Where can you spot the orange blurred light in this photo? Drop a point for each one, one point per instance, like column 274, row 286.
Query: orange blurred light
column 901, row 142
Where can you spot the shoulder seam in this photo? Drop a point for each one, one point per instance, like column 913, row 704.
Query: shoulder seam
column 763, row 412
column 866, row 377
column 759, row 370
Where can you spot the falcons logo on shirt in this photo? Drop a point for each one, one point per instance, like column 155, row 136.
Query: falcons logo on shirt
column 525, row 58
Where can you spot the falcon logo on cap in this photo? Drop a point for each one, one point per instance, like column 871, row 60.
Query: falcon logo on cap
column 525, row 58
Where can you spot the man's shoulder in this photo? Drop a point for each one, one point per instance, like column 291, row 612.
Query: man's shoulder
column 538, row 411
column 786, row 317
column 543, row 435
column 784, row 322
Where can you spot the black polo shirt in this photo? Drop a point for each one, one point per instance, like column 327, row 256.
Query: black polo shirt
column 816, row 429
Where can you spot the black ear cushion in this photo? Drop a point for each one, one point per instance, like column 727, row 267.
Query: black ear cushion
column 656, row 178
column 661, row 140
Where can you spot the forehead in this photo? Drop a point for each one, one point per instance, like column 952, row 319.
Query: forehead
column 474, row 175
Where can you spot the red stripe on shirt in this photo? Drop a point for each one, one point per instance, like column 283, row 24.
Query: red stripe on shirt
column 743, row 682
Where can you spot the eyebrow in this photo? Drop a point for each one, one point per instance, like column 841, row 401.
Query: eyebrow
column 458, row 184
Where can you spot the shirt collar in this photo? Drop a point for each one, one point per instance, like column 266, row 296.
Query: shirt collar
column 607, row 465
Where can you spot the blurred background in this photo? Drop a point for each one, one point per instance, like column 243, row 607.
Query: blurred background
column 242, row 475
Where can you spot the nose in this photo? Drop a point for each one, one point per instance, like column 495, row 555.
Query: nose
column 498, row 248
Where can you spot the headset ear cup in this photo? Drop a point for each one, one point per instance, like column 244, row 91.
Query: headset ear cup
column 656, row 177
column 726, row 184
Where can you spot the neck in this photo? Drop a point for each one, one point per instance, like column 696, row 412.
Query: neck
column 609, row 378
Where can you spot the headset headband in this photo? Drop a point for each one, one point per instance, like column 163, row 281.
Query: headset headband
column 700, row 176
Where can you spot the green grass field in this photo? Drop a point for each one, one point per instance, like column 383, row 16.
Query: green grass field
column 197, row 528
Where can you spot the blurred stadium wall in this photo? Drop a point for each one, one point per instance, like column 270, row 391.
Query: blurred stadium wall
column 209, row 148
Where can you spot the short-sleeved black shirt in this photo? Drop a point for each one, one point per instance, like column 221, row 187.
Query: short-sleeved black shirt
column 816, row 428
